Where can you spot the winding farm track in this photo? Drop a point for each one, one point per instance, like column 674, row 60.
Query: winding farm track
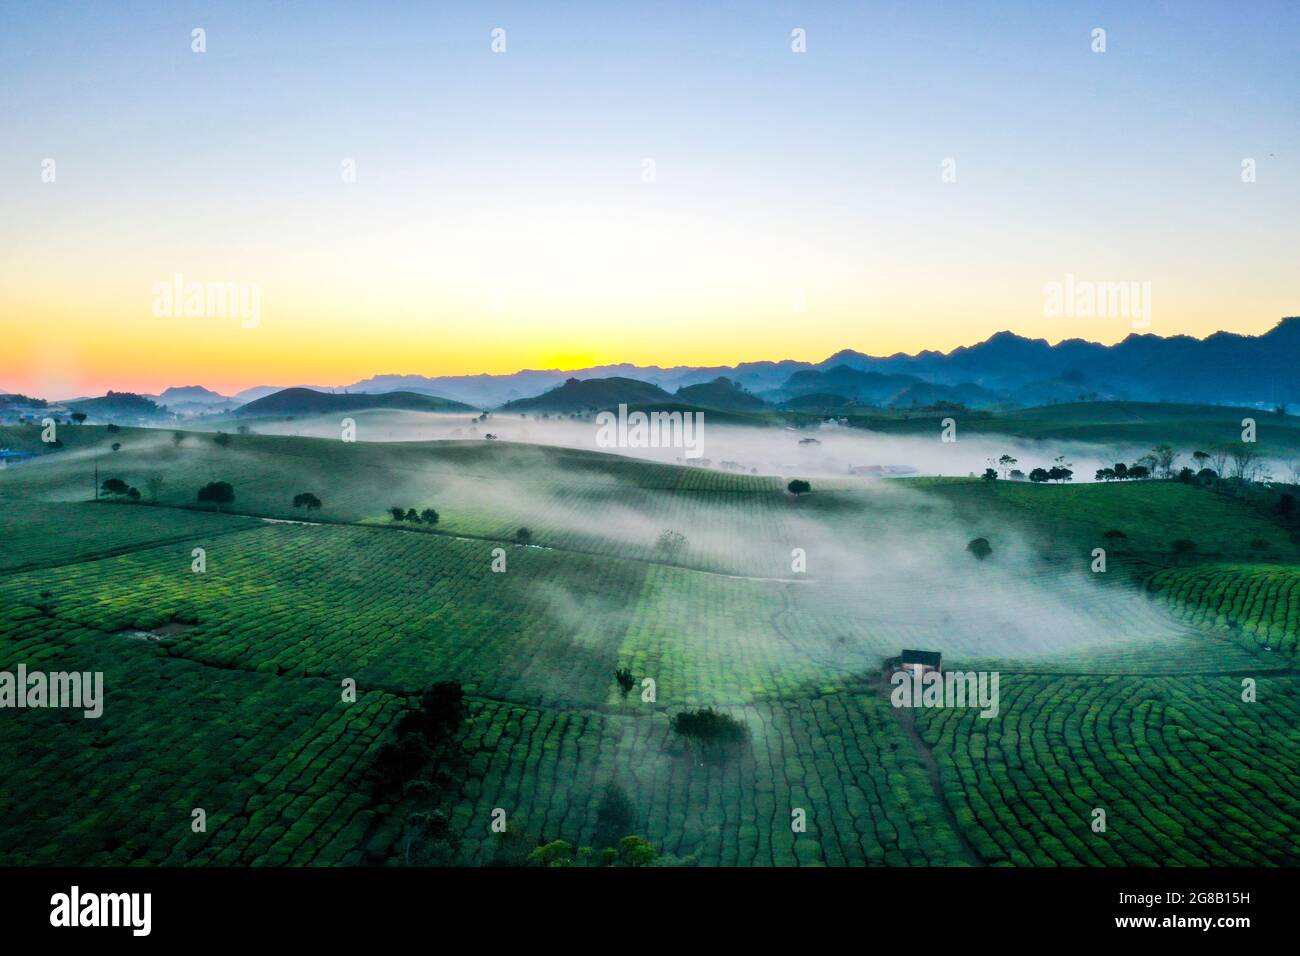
column 907, row 720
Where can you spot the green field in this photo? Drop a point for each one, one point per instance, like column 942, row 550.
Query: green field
column 1120, row 691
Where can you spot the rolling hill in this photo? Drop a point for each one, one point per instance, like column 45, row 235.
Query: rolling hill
column 577, row 395
column 305, row 401
column 721, row 393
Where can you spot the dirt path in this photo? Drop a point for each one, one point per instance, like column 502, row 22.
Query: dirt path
column 907, row 720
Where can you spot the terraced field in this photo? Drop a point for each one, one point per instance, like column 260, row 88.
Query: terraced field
column 1257, row 603
column 1119, row 690
column 1187, row 772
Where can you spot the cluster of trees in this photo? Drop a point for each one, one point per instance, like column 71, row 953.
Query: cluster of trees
column 716, row 735
column 630, row 851
column 421, row 764
column 119, row 489
column 1123, row 472
column 427, row 516
column 1061, row 470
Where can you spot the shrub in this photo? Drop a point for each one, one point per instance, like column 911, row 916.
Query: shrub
column 625, row 680
column 980, row 547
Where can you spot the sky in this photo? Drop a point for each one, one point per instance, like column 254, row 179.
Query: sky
column 657, row 183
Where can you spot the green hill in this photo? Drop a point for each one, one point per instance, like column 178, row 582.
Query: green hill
column 721, row 393
column 592, row 394
column 306, row 401
column 121, row 407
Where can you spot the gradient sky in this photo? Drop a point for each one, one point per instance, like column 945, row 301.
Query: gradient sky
column 499, row 219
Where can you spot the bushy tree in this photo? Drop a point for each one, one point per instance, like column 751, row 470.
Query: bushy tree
column 625, row 680
column 429, row 516
column 636, row 851
column 523, row 535
column 306, row 500
column 399, row 514
column 979, row 547
column 670, row 542
column 555, row 853
column 217, row 492
column 115, row 486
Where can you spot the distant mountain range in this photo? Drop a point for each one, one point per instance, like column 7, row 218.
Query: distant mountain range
column 1004, row 370
column 1224, row 368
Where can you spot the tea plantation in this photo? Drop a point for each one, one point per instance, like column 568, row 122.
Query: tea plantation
column 229, row 640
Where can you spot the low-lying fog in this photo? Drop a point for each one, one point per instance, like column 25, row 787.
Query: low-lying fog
column 820, row 451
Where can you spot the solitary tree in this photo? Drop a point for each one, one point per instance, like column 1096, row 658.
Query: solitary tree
column 218, row 492
column 799, row 487
column 398, row 513
column 222, row 439
column 79, row 417
column 990, row 474
column 115, row 486
column 979, row 547
column 306, row 500
column 625, row 680
column 523, row 535
column 670, row 542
